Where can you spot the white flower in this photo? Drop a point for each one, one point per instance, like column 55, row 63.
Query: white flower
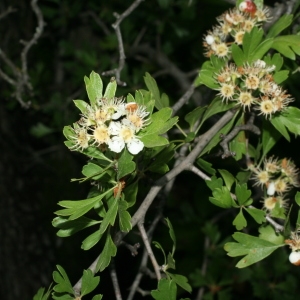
column 124, row 134
column 136, row 118
column 101, row 134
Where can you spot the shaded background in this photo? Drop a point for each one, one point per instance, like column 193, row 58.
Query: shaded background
column 161, row 37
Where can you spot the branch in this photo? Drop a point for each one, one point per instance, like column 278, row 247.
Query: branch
column 22, row 79
column 186, row 96
column 38, row 32
column 227, row 138
column 116, row 26
column 149, row 249
column 198, row 172
column 143, row 266
column 114, row 278
column 189, row 160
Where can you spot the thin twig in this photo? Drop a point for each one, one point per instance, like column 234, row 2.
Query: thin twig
column 116, row 26
column 136, row 282
column 198, row 172
column 7, row 12
column 38, row 32
column 114, row 278
column 278, row 227
column 149, row 249
column 227, row 138
column 98, row 21
column 22, row 79
column 186, row 96
column 203, row 267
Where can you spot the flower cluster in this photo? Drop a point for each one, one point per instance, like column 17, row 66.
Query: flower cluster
column 232, row 26
column 111, row 123
column 278, row 177
column 252, row 85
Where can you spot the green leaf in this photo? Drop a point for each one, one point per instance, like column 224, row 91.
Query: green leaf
column 242, row 193
column 206, row 76
column 124, row 217
column 281, row 76
column 284, row 22
column 206, row 166
column 278, row 212
column 39, row 130
column 159, row 164
column 216, row 138
column 145, row 98
column 170, row 262
column 261, row 50
column 82, row 105
column 153, row 88
column 89, row 282
column 238, row 145
column 40, row 295
column 109, row 251
column 195, row 115
column 160, row 123
column 172, row 235
column 268, row 233
column 166, row 290
column 275, row 60
column 110, row 216
column 94, row 87
column 270, row 137
column 297, row 198
column 276, row 121
column 238, row 55
column 240, row 222
column 130, row 193
column 68, row 228
column 95, row 172
column 97, row 297
column 255, row 248
column 251, row 40
column 215, row 107
column 181, row 280
column 91, row 240
column 164, row 100
column 63, row 283
column 158, row 246
column 257, row 214
column 287, row 45
column 125, row 164
column 76, row 209
column 111, row 88
column 228, row 178
column 214, row 183
column 221, row 197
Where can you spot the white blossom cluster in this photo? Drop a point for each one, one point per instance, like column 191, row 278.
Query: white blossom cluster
column 112, row 124
column 278, row 177
column 252, row 85
column 233, row 24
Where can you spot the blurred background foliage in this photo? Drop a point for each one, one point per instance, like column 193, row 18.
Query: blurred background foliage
column 164, row 38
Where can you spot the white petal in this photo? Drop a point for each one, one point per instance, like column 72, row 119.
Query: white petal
column 114, row 128
column 120, row 111
column 135, row 146
column 295, row 258
column 116, row 144
column 271, row 188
